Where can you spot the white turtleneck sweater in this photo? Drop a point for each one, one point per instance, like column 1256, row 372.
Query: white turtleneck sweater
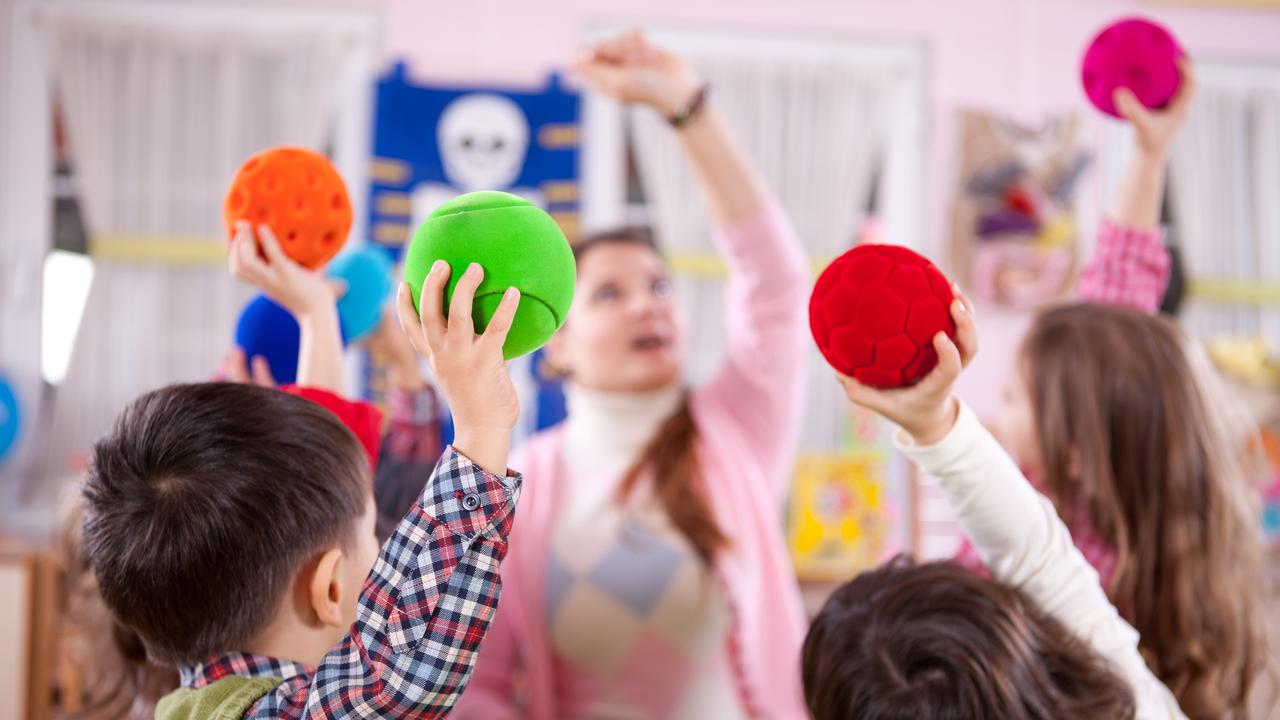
column 638, row 623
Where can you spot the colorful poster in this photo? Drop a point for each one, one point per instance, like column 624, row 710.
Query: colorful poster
column 432, row 143
column 840, row 515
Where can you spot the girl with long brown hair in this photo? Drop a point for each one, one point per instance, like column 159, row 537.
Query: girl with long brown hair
column 647, row 575
column 1040, row 641
column 1115, row 415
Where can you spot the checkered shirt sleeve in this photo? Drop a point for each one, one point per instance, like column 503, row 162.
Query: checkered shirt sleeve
column 1129, row 267
column 424, row 608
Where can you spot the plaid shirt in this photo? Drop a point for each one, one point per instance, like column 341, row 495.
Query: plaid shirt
column 1129, row 267
column 423, row 611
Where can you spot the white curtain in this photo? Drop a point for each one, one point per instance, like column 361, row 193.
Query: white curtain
column 158, row 119
column 1225, row 181
column 818, row 131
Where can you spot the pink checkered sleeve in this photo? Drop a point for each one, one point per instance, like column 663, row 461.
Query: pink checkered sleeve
column 1129, row 267
column 424, row 609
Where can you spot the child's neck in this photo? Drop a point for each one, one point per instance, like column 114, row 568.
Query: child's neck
column 291, row 637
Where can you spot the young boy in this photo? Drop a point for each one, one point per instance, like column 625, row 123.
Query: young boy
column 231, row 526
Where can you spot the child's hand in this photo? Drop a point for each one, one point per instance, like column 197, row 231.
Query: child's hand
column 630, row 69
column 926, row 410
column 301, row 291
column 470, row 370
column 236, row 370
column 1154, row 130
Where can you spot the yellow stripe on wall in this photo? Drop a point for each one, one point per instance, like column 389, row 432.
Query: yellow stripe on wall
column 165, row 249
column 711, row 265
column 1235, row 292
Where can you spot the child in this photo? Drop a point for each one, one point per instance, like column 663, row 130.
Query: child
column 231, row 527
column 1115, row 416
column 934, row 641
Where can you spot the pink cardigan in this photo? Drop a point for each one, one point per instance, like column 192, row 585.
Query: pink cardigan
column 747, row 419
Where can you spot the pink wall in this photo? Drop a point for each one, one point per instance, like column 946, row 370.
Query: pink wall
column 1017, row 56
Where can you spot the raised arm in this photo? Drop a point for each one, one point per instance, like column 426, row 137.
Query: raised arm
column 433, row 591
column 1130, row 265
column 759, row 386
column 1015, row 531
column 304, row 293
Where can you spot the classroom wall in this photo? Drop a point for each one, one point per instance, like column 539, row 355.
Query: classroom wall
column 1015, row 56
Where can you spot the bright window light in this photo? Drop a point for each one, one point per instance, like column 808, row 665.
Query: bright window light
column 66, row 288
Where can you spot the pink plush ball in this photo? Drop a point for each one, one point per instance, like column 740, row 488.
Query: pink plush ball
column 1136, row 54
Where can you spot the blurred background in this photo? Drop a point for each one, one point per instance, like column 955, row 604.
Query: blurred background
column 123, row 121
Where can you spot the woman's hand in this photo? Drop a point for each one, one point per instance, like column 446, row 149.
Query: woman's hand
column 630, row 69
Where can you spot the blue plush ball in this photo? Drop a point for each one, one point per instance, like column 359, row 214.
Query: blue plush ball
column 10, row 419
column 267, row 329
column 367, row 274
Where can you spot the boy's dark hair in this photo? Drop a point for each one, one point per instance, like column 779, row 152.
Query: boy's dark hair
column 203, row 501
column 937, row 641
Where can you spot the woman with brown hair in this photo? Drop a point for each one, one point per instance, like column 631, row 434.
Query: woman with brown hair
column 1039, row 641
column 665, row 592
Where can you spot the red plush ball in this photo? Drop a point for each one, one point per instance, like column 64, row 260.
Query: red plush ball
column 874, row 312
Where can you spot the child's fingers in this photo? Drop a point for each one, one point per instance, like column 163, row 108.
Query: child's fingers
column 860, row 394
column 496, row 333
column 431, row 302
column 271, row 246
column 1129, row 107
column 949, row 365
column 262, row 372
column 249, row 265
column 233, row 366
column 966, row 329
column 409, row 320
column 1186, row 88
column 339, row 287
column 461, row 325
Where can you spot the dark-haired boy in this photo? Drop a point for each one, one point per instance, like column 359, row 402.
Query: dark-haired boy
column 231, row 526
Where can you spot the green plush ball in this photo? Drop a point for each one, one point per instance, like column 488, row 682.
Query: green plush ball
column 517, row 244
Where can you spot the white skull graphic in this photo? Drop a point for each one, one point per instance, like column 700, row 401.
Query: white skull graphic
column 483, row 139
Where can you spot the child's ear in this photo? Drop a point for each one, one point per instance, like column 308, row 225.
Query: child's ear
column 326, row 589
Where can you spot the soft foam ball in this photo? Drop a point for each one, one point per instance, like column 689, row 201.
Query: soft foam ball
column 10, row 419
column 874, row 312
column 267, row 329
column 299, row 194
column 1137, row 54
column 517, row 244
column 366, row 272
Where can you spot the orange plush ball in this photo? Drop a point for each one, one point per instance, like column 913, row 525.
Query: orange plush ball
column 299, row 195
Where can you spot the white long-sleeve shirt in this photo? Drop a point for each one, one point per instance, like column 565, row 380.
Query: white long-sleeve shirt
column 1019, row 536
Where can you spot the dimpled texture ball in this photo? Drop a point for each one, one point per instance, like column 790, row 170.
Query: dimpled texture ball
column 266, row 329
column 517, row 244
column 366, row 272
column 874, row 312
column 1137, row 54
column 299, row 194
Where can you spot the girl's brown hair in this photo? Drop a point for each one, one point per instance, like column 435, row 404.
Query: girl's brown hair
column 937, row 641
column 1137, row 439
column 103, row 663
column 671, row 454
